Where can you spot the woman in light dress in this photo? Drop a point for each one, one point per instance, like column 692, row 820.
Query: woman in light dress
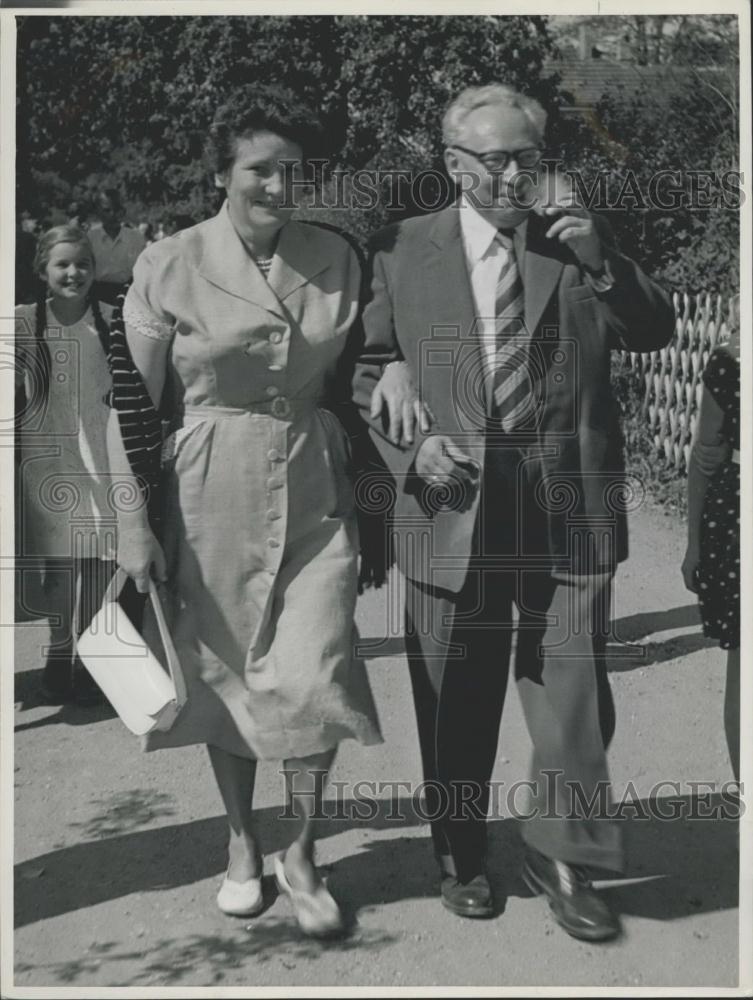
column 66, row 514
column 250, row 312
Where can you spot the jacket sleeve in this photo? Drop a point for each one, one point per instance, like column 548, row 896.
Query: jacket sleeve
column 380, row 345
column 639, row 314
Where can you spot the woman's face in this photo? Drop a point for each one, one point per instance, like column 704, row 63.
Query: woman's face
column 70, row 271
column 258, row 185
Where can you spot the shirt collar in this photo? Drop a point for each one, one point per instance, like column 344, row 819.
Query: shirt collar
column 106, row 235
column 478, row 232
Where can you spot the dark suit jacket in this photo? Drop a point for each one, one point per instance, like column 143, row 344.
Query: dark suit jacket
column 570, row 492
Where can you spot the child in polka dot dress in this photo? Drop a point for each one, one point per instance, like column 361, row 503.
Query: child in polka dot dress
column 711, row 567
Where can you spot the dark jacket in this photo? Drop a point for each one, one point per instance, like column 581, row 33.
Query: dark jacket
column 572, row 502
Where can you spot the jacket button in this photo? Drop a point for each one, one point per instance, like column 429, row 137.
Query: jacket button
column 275, row 337
column 273, row 484
column 273, row 515
column 272, row 390
column 273, row 543
column 273, row 455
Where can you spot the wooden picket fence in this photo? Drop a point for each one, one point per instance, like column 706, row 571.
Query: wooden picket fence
column 672, row 376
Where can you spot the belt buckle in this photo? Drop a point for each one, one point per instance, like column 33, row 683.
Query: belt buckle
column 280, row 407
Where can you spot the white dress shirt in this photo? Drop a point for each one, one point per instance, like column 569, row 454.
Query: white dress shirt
column 485, row 257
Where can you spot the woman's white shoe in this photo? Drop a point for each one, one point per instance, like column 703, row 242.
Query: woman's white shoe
column 317, row 913
column 241, row 899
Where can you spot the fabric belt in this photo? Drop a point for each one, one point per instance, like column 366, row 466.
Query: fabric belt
column 281, row 407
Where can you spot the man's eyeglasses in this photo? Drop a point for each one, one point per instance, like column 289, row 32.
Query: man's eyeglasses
column 499, row 159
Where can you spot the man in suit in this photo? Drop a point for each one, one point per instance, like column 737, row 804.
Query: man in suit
column 505, row 307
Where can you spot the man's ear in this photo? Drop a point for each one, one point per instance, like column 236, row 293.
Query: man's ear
column 451, row 163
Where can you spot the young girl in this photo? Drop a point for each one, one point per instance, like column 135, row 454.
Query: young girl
column 66, row 512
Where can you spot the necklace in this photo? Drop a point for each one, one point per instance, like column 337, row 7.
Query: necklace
column 264, row 264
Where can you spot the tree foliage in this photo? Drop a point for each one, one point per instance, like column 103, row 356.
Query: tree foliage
column 130, row 98
column 126, row 101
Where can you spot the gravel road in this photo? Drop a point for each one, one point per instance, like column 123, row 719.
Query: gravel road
column 119, row 854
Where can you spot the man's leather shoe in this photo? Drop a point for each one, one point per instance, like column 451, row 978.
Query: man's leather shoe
column 467, row 899
column 574, row 904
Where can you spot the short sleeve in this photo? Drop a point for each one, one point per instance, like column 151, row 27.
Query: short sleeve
column 26, row 347
column 142, row 309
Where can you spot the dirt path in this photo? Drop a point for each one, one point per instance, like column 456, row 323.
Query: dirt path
column 119, row 854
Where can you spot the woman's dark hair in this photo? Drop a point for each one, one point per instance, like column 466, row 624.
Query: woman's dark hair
column 257, row 108
column 48, row 240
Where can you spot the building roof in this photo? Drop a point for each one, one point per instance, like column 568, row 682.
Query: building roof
column 588, row 80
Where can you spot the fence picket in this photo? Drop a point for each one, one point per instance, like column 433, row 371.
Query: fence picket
column 672, row 376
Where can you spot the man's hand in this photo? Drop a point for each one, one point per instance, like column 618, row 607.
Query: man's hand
column 438, row 460
column 397, row 391
column 575, row 227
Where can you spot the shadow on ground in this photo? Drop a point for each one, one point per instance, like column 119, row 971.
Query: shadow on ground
column 624, row 651
column 27, row 695
column 204, row 958
column 690, row 864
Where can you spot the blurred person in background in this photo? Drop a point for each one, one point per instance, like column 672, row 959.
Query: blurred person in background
column 116, row 246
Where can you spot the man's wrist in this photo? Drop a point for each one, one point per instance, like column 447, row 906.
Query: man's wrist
column 600, row 278
column 395, row 361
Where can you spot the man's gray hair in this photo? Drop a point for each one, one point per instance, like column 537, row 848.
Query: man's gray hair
column 480, row 97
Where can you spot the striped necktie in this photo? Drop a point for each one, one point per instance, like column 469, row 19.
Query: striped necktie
column 513, row 396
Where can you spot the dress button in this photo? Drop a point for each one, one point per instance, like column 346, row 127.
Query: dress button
column 275, row 368
column 273, row 484
column 273, row 455
column 275, row 337
column 273, row 515
column 272, row 390
column 273, row 543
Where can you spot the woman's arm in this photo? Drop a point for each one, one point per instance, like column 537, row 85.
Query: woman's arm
column 139, row 552
column 707, row 453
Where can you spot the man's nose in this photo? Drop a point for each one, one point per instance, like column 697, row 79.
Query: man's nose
column 511, row 169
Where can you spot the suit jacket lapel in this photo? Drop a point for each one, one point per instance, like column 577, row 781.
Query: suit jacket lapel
column 447, row 259
column 451, row 285
column 542, row 268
